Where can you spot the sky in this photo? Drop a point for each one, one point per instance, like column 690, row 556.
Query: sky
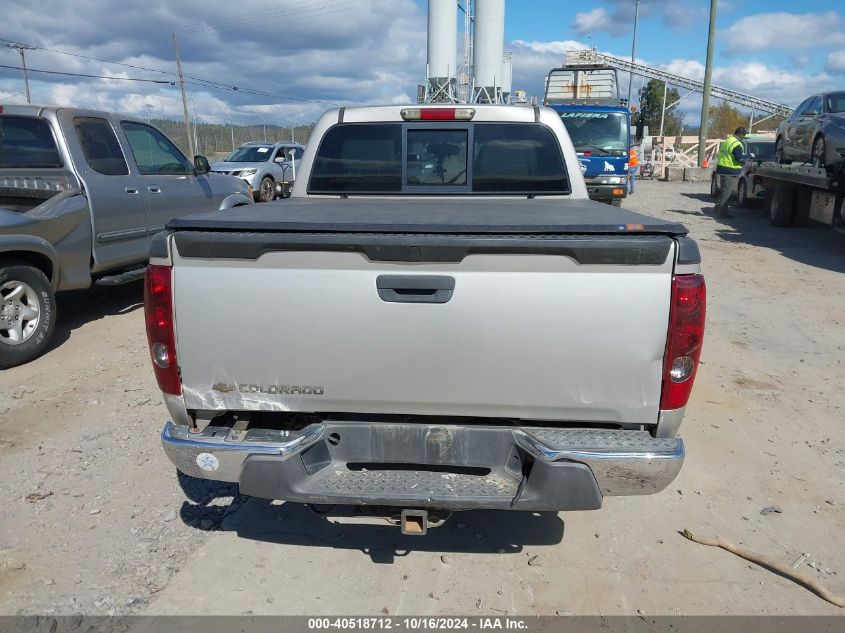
column 292, row 59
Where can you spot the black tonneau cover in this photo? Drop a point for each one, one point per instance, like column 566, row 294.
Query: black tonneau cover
column 434, row 215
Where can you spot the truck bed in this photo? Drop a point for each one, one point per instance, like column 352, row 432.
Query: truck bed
column 525, row 302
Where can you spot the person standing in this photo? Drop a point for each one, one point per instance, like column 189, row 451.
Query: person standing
column 633, row 166
column 728, row 168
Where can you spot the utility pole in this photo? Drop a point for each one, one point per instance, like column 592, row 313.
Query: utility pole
column 191, row 148
column 292, row 139
column 232, row 126
column 22, row 49
column 708, row 75
column 264, row 121
column 663, row 109
column 633, row 50
column 196, row 135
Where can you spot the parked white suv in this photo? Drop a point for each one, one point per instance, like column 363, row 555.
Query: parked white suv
column 266, row 167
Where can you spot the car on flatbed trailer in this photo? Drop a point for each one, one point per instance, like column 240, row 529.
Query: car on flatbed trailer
column 814, row 132
column 438, row 319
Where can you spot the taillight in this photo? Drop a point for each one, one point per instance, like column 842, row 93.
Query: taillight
column 437, row 114
column 158, row 310
column 683, row 345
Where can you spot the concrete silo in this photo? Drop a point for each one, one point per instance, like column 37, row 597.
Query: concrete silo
column 442, row 50
column 488, row 50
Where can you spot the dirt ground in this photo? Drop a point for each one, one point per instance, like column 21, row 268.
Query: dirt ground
column 93, row 518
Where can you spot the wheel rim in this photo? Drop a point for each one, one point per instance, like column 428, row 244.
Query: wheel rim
column 266, row 189
column 20, row 312
column 818, row 153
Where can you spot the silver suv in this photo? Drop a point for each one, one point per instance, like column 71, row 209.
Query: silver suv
column 266, row 167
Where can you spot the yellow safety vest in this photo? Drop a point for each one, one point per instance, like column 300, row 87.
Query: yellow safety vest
column 726, row 155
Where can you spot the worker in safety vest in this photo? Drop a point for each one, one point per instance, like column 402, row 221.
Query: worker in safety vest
column 728, row 168
column 633, row 165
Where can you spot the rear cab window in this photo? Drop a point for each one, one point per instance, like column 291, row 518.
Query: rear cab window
column 100, row 146
column 436, row 158
column 27, row 141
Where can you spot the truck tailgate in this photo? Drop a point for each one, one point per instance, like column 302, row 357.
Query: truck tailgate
column 545, row 327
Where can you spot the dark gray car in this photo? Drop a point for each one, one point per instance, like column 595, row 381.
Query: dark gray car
column 815, row 132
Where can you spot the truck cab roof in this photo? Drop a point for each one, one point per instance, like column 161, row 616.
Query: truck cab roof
column 35, row 110
column 475, row 112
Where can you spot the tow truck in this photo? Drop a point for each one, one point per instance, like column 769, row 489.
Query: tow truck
column 796, row 194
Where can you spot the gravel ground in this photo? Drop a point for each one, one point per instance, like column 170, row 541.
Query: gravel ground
column 93, row 518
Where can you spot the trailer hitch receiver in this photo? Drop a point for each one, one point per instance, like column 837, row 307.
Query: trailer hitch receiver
column 414, row 522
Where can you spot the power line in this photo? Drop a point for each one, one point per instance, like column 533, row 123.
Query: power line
column 95, row 59
column 22, row 49
column 198, row 81
column 56, row 72
column 261, row 93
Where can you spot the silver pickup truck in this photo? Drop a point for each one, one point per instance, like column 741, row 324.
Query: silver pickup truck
column 82, row 192
column 440, row 320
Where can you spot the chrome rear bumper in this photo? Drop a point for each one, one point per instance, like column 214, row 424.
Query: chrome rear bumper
column 386, row 463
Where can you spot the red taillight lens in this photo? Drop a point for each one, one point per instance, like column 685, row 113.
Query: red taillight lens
column 683, row 345
column 437, row 114
column 158, row 310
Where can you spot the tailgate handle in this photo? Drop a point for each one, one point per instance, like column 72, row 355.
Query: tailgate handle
column 415, row 288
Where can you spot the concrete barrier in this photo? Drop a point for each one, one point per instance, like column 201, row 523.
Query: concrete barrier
column 697, row 174
column 674, row 173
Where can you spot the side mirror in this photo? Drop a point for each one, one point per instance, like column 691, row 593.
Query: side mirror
column 201, row 165
column 752, row 155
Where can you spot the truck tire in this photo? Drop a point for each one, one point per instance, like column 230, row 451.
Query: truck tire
column 266, row 190
column 27, row 314
column 780, row 206
column 780, row 156
column 817, row 153
column 803, row 201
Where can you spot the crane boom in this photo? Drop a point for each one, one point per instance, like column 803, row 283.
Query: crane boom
column 574, row 58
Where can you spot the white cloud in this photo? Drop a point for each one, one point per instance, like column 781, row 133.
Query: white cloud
column 836, row 62
column 592, row 21
column 677, row 14
column 533, row 60
column 359, row 51
column 756, row 78
column 782, row 30
column 690, row 68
